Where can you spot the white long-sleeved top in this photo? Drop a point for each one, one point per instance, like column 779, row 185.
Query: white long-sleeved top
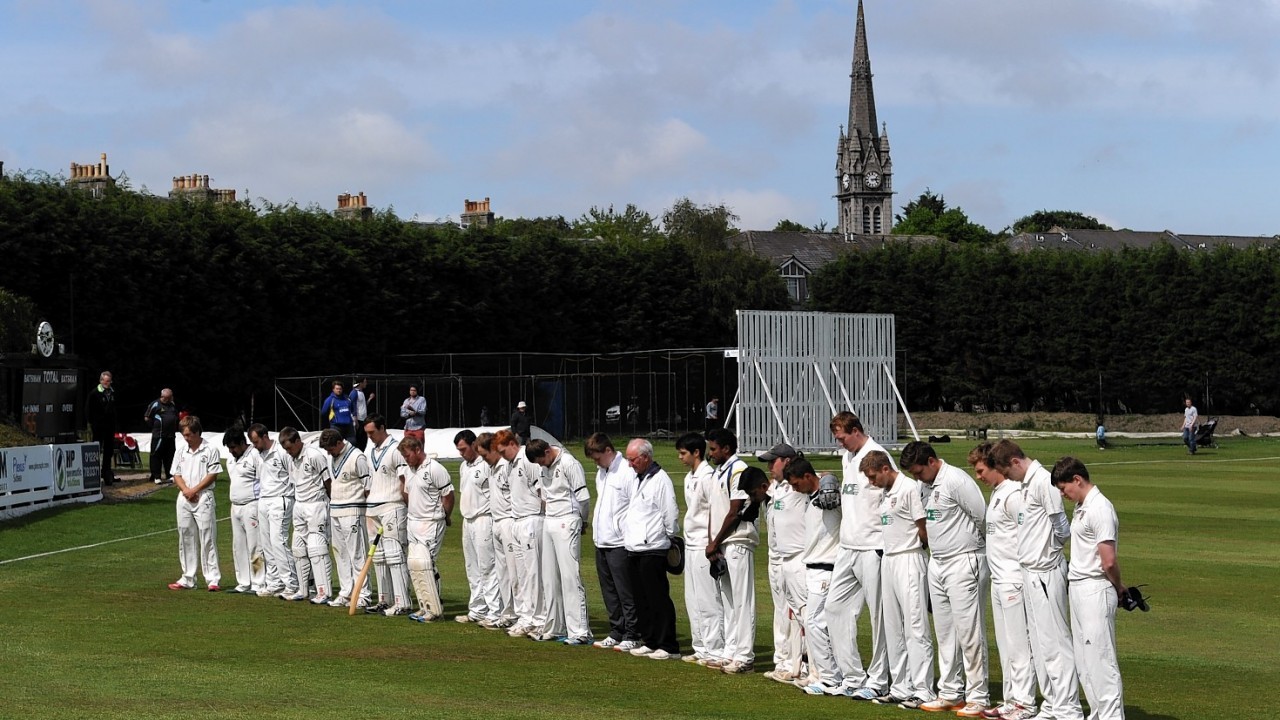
column 274, row 472
column 613, row 494
column 1002, row 533
column 426, row 486
column 309, row 471
column 652, row 513
column 384, row 467
column 195, row 465
column 698, row 485
column 1039, row 544
column 785, row 520
column 500, row 490
column 724, row 490
column 860, row 502
column 525, row 477
column 473, row 488
column 350, row 479
column 822, row 533
column 564, row 487
column 244, row 472
column 954, row 513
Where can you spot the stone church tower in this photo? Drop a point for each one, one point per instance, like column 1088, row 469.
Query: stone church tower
column 864, row 172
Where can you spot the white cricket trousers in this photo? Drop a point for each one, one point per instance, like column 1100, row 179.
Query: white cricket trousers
column 904, row 599
column 390, row 560
column 504, row 565
column 311, row 546
column 702, row 602
column 198, row 539
column 527, row 588
column 822, row 660
column 1014, row 643
column 246, row 545
column 787, row 588
column 958, row 586
column 478, row 554
column 738, row 597
column 563, row 595
column 1045, row 596
column 350, row 546
column 275, row 521
column 855, row 582
column 1093, row 628
column 425, row 538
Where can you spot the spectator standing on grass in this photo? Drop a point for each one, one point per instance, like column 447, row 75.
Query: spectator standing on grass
column 521, row 423
column 101, row 409
column 414, row 412
column 712, row 419
column 195, row 468
column 162, row 414
column 647, row 529
column 1189, row 417
column 336, row 411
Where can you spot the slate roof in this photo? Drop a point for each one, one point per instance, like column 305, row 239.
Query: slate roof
column 813, row 250
column 1064, row 239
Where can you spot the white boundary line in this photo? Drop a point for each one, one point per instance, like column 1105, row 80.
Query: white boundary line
column 94, row 545
column 1186, row 460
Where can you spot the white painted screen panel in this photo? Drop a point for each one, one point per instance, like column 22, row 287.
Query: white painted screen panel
column 794, row 367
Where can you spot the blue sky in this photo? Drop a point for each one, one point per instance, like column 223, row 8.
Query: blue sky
column 1148, row 114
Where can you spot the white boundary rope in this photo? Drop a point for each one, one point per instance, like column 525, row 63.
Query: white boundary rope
column 94, row 545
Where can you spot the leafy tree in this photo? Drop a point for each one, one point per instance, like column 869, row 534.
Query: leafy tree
column 17, row 323
column 934, row 204
column 708, row 227
column 929, row 215
column 1046, row 220
column 790, row 226
column 631, row 224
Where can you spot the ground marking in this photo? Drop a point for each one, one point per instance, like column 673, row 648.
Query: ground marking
column 94, row 545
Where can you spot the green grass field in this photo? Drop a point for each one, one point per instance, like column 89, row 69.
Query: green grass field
column 95, row 633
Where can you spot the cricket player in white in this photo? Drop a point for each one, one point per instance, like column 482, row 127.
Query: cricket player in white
column 904, row 584
column 1042, row 530
column 822, row 543
column 309, row 469
column 1019, row 677
column 504, row 539
column 701, row 595
column 568, row 505
column 387, row 513
column 244, row 468
column 428, row 492
column 483, row 604
column 1096, row 589
column 735, row 539
column 525, row 481
column 785, row 522
column 347, row 505
column 195, row 468
column 614, row 479
column 955, row 516
column 275, row 514
column 855, row 581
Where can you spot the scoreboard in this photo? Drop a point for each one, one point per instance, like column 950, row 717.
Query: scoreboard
column 49, row 401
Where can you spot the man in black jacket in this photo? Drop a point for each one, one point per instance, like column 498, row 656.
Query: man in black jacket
column 162, row 414
column 101, row 410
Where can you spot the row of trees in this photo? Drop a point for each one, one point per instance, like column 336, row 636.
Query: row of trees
column 216, row 300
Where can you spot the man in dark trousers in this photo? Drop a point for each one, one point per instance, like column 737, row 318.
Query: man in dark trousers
column 521, row 423
column 101, row 410
column 162, row 414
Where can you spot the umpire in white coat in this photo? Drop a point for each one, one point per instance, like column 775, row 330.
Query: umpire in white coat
column 651, row 522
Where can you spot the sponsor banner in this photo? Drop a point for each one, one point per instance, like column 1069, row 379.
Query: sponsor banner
column 77, row 469
column 26, row 475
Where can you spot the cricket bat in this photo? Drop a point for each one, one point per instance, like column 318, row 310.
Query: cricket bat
column 364, row 573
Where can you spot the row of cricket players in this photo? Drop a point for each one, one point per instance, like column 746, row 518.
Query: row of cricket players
column 880, row 540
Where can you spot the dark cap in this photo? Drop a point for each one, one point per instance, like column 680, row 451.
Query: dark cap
column 781, row 450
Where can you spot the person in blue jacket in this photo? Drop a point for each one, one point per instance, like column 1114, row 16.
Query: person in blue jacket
column 336, row 411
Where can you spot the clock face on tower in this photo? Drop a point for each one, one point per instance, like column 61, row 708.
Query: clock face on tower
column 844, row 181
column 872, row 179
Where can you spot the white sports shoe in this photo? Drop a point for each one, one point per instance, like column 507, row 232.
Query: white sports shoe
column 518, row 630
column 339, row 602
column 642, row 651
column 395, row 610
column 320, row 600
column 663, row 655
column 606, row 642
column 626, row 646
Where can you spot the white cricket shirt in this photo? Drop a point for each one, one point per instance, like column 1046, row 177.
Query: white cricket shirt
column 900, row 507
column 785, row 521
column 384, row 468
column 500, row 490
column 349, row 473
column 1038, row 549
column 697, row 502
column 564, row 486
column 954, row 513
column 525, row 478
column 822, row 534
column 244, row 471
column 860, row 502
column 273, row 473
column 309, row 471
column 426, row 487
column 1002, row 533
column 195, row 465
column 725, row 489
column 473, row 488
column 1094, row 522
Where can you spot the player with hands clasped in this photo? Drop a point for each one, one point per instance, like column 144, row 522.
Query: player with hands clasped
column 1095, row 589
column 350, row 471
column 195, row 468
column 309, row 468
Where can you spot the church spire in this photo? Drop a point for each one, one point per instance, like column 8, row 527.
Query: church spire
column 862, row 99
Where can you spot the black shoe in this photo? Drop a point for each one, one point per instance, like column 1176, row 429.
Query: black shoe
column 376, row 609
column 887, row 699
